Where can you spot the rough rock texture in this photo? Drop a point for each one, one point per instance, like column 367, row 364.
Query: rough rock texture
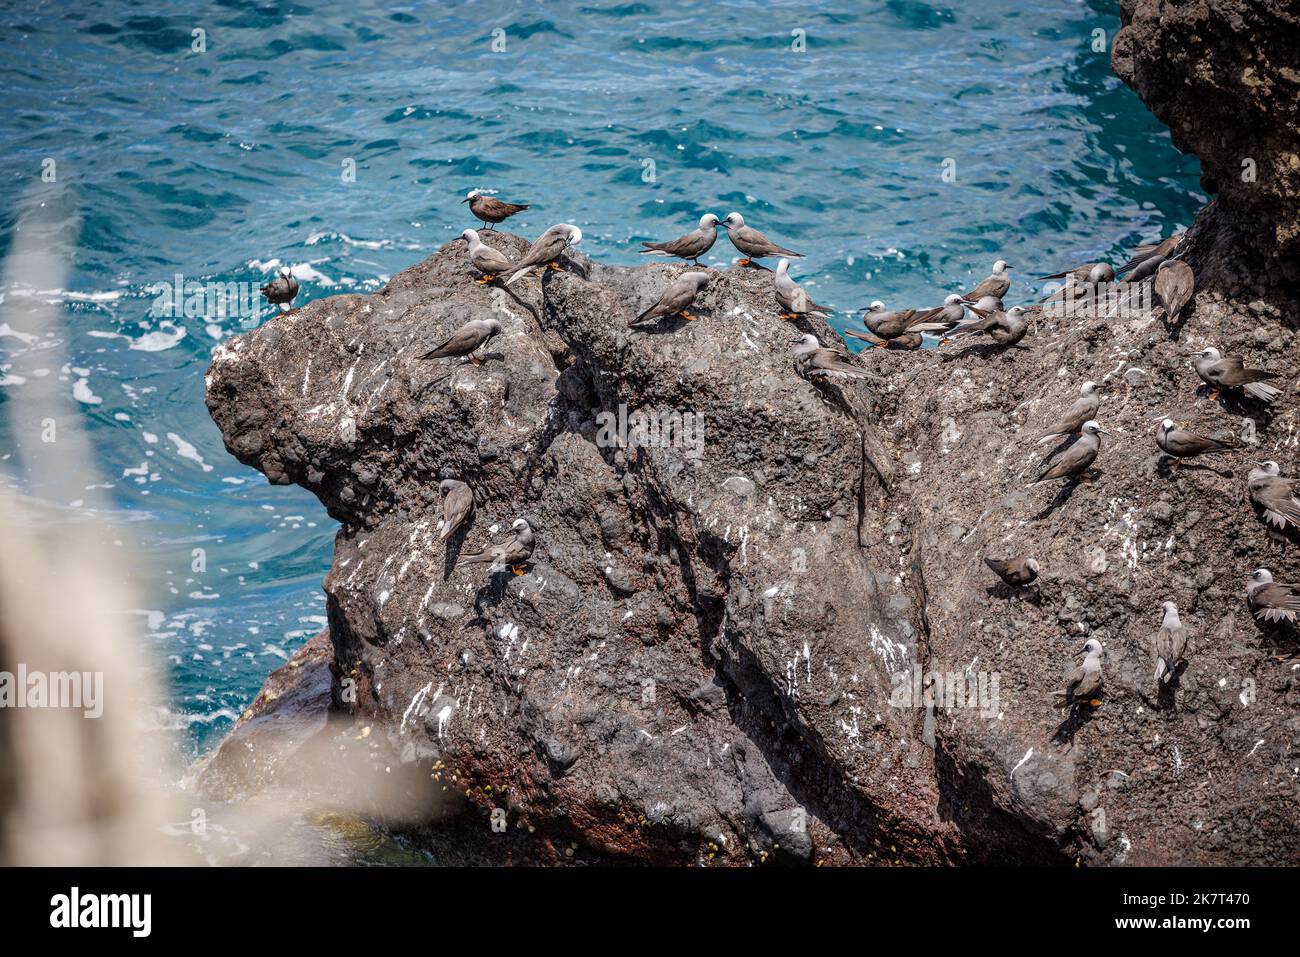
column 289, row 711
column 1224, row 75
column 711, row 656
column 698, row 664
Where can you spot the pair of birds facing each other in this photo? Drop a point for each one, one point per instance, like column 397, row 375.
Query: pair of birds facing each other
column 458, row 508
column 751, row 243
column 545, row 251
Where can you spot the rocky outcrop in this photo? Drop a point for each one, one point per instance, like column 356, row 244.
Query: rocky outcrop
column 729, row 643
column 1224, row 75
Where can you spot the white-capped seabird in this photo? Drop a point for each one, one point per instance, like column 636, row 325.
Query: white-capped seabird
column 549, row 247
column 1271, row 601
column 1083, row 682
column 466, row 340
column 995, row 285
column 691, row 246
column 1221, row 372
column 1078, row 458
column 489, row 210
column 678, row 297
column 1084, row 408
column 791, row 297
column 949, row 314
column 1016, row 572
column 1181, row 444
column 281, row 290
column 1174, row 284
column 890, row 324
column 457, row 506
column 485, row 259
column 514, row 550
column 1170, row 644
column 752, row 243
column 1277, row 498
column 813, row 361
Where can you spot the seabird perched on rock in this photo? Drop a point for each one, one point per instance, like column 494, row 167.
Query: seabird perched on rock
column 1084, row 408
column 281, row 290
column 752, row 243
column 1144, row 270
column 484, row 258
column 791, row 297
column 466, row 340
column 1078, row 458
column 1221, row 372
column 1004, row 328
column 949, row 314
column 457, row 506
column 691, row 246
column 1083, row 681
column 1174, row 284
column 1088, row 272
column 996, row 284
column 1145, row 253
column 1081, row 285
column 1016, row 572
column 549, row 247
column 490, row 210
column 1171, row 644
column 1181, row 444
column 678, row 297
column 1271, row 601
column 514, row 550
column 886, row 324
column 908, row 340
column 1277, row 498
column 814, row 361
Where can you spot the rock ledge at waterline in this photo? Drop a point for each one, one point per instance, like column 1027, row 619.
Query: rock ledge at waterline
column 699, row 663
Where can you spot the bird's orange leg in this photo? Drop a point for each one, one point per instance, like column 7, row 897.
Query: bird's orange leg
column 486, row 279
column 518, row 569
column 556, row 266
column 687, row 316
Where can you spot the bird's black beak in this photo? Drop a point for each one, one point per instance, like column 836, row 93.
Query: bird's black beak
column 465, row 200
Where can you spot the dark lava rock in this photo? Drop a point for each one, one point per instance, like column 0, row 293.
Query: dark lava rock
column 703, row 661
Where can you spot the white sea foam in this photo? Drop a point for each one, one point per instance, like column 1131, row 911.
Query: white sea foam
column 187, row 451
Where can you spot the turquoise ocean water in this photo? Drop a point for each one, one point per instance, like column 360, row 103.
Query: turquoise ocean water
column 629, row 119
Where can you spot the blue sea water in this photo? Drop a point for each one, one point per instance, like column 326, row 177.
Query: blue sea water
column 629, row 119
